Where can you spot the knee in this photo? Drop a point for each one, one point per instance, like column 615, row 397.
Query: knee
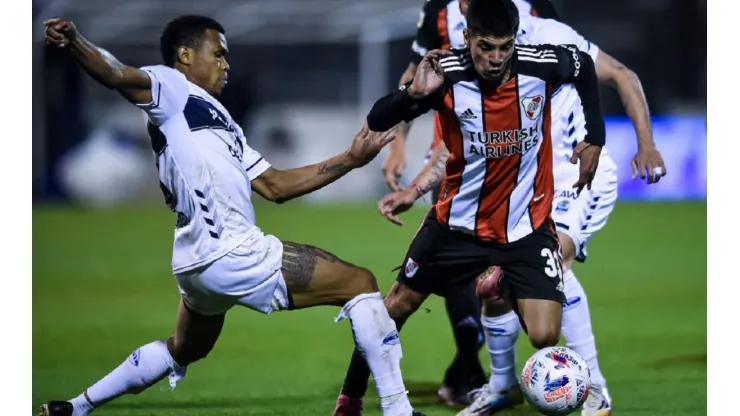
column 187, row 353
column 544, row 337
column 364, row 281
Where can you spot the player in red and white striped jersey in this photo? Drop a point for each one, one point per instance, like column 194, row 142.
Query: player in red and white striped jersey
column 497, row 185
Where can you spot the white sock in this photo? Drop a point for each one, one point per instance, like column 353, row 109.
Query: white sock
column 142, row 369
column 576, row 328
column 377, row 339
column 502, row 333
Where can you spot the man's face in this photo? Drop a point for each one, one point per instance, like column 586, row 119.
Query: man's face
column 491, row 54
column 208, row 66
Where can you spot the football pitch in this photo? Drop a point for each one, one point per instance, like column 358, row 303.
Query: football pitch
column 102, row 287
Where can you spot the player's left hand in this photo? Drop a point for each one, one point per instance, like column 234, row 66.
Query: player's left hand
column 648, row 163
column 367, row 144
column 588, row 156
column 397, row 202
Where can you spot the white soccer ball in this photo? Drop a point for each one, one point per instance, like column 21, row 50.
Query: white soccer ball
column 556, row 381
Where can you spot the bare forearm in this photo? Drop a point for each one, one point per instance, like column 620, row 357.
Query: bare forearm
column 297, row 182
column 635, row 105
column 434, row 171
column 104, row 67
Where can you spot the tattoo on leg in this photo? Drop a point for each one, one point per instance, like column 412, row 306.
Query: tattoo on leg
column 299, row 263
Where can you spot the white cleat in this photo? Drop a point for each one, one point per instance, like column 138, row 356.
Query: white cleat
column 486, row 403
column 598, row 402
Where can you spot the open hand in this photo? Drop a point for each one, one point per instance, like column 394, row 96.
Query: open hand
column 367, row 144
column 397, row 202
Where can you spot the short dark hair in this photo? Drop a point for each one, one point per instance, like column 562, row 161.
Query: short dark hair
column 493, row 18
column 186, row 31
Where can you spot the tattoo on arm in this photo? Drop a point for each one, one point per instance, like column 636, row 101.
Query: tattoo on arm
column 299, row 263
column 437, row 172
column 327, row 169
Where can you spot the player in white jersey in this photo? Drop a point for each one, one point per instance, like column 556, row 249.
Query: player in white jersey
column 220, row 256
column 577, row 217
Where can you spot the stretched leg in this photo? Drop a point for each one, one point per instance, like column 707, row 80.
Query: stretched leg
column 317, row 277
column 578, row 333
column 194, row 338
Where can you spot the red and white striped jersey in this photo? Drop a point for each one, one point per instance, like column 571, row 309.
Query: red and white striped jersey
column 499, row 176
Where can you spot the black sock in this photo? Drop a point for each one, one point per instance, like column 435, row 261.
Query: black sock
column 464, row 309
column 358, row 373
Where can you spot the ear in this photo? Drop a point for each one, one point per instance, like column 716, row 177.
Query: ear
column 185, row 55
column 466, row 37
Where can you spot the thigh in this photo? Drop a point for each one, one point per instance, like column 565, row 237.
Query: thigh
column 581, row 216
column 440, row 260
column 316, row 277
column 533, row 268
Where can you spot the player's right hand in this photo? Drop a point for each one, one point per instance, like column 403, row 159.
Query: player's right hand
column 429, row 74
column 397, row 202
column 367, row 144
column 395, row 162
column 60, row 32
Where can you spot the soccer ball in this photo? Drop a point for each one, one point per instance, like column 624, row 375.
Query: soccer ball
column 556, row 381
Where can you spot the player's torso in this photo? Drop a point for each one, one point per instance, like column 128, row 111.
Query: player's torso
column 199, row 156
column 499, row 175
column 568, row 120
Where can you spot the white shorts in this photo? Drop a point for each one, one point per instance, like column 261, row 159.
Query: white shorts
column 249, row 275
column 579, row 217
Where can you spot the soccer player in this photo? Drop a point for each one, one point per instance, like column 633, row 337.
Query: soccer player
column 493, row 101
column 220, row 257
column 441, row 26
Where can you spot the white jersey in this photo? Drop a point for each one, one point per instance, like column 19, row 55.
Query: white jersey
column 568, row 122
column 205, row 169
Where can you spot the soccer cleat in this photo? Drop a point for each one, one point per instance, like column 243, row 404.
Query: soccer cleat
column 451, row 396
column 598, row 402
column 486, row 403
column 57, row 408
column 348, row 406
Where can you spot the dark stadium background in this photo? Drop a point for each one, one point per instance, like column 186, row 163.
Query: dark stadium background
column 303, row 74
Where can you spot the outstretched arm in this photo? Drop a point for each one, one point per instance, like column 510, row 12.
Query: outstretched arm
column 283, row 185
column 612, row 72
column 133, row 83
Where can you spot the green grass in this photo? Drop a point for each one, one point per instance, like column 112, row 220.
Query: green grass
column 102, row 287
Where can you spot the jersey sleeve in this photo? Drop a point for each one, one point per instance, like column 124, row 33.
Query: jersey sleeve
column 399, row 106
column 254, row 163
column 427, row 33
column 170, row 91
column 576, row 67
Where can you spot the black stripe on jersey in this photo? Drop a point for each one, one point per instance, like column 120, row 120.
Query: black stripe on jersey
column 462, row 146
column 485, row 162
column 201, row 114
column 254, row 164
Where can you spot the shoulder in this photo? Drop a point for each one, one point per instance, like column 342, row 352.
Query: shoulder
column 162, row 73
column 553, row 32
column 457, row 66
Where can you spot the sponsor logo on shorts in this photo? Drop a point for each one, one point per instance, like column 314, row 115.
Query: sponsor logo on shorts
column 411, row 268
column 134, row 358
column 571, row 303
column 563, row 206
column 566, row 194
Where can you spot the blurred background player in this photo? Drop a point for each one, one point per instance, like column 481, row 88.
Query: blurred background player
column 497, row 186
column 220, row 257
column 440, row 26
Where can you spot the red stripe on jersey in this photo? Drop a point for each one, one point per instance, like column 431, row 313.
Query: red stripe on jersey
column 449, row 126
column 442, row 31
column 540, row 209
column 501, row 113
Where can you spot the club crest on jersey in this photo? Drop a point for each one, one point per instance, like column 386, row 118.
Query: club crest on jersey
column 411, row 267
column 533, row 106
